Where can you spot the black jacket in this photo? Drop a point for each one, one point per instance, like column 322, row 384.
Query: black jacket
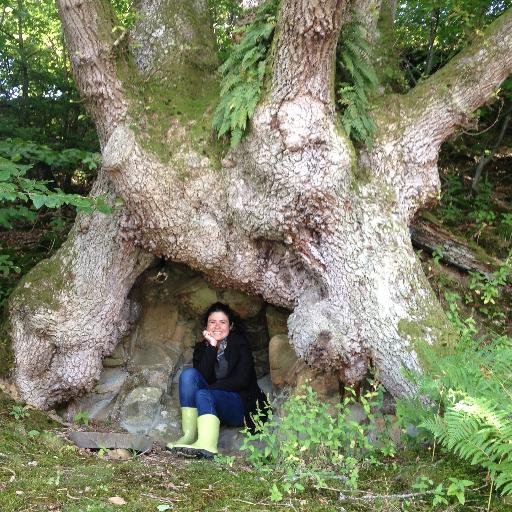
column 241, row 376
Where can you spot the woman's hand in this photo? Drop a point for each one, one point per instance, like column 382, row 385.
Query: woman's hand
column 209, row 338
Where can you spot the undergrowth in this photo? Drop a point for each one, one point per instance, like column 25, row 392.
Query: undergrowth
column 464, row 403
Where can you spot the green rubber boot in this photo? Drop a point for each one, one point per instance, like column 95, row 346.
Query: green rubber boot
column 208, row 426
column 189, row 427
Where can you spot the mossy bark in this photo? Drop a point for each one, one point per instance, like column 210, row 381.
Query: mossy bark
column 295, row 214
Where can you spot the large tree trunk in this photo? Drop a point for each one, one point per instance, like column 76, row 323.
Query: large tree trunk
column 294, row 214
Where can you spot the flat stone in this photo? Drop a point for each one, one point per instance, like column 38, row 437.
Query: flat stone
column 150, row 355
column 111, row 440
column 112, row 362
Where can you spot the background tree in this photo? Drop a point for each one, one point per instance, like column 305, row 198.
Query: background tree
column 296, row 212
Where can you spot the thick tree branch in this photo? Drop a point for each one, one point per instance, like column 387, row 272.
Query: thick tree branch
column 88, row 31
column 412, row 127
column 304, row 61
column 446, row 99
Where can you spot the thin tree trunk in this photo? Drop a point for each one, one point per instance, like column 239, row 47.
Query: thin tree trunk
column 484, row 160
column 434, row 23
column 24, row 111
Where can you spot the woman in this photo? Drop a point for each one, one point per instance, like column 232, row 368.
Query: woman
column 220, row 388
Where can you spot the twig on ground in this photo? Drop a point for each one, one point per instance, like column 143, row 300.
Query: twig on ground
column 373, row 497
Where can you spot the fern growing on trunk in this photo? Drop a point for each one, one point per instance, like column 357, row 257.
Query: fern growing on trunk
column 244, row 71
column 358, row 80
column 243, row 74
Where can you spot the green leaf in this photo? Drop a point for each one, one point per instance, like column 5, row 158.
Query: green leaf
column 275, row 494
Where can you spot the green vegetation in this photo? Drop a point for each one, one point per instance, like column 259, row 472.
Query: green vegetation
column 356, row 82
column 465, row 400
column 313, row 442
column 41, row 471
column 243, row 74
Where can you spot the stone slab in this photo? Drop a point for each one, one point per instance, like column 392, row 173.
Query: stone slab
column 111, row 440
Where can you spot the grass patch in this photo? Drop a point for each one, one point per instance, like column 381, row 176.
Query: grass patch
column 41, row 471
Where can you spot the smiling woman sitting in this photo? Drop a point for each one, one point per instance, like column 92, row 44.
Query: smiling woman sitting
column 220, row 388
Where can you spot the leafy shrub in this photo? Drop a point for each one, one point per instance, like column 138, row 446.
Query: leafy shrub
column 464, row 403
column 314, row 442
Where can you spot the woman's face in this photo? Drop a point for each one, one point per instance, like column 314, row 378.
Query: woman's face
column 218, row 325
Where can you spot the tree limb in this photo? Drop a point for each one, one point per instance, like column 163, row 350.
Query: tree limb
column 88, row 31
column 305, row 49
column 444, row 101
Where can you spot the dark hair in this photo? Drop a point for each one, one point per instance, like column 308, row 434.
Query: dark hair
column 223, row 308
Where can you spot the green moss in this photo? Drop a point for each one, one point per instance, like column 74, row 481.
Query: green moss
column 428, row 326
column 360, row 177
column 172, row 105
column 41, row 285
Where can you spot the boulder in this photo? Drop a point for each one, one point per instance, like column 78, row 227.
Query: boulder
column 140, row 409
column 282, row 359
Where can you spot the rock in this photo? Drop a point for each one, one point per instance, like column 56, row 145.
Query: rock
column 196, row 295
column 245, row 306
column 325, row 384
column 277, row 320
column 112, row 362
column 111, row 381
column 118, row 356
column 282, row 359
column 182, row 335
column 111, row 440
column 119, row 454
column 117, row 500
column 157, row 323
column 140, row 409
column 148, row 356
column 230, row 440
column 265, row 384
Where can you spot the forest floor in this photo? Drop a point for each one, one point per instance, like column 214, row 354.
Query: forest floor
column 40, row 470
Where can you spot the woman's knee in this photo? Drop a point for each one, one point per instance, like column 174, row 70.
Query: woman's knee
column 188, row 376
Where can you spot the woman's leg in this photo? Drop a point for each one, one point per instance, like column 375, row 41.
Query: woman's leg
column 190, row 382
column 226, row 405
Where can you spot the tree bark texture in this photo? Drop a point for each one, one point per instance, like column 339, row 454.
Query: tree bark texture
column 295, row 214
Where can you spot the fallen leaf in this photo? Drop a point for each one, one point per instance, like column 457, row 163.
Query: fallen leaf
column 117, row 500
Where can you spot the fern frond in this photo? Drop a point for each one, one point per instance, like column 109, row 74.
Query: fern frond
column 355, row 64
column 243, row 74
